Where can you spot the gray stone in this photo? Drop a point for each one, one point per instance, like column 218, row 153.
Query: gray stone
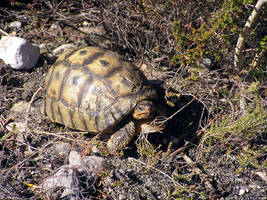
column 205, row 63
column 68, row 176
column 63, row 178
column 93, row 163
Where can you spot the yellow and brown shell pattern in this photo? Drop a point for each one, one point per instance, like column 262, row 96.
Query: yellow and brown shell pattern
column 93, row 89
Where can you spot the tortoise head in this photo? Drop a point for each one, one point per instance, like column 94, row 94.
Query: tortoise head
column 144, row 110
column 144, row 113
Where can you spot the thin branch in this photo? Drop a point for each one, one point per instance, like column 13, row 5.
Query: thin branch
column 239, row 57
column 3, row 32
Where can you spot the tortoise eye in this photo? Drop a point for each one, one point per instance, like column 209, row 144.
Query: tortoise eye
column 140, row 108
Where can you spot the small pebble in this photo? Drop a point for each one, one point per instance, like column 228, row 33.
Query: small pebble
column 242, row 191
column 206, row 63
column 54, row 27
column 75, row 158
column 15, row 24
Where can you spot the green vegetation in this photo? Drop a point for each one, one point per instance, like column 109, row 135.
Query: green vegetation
column 211, row 34
column 248, row 128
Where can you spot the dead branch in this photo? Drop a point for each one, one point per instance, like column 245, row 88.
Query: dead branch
column 239, row 57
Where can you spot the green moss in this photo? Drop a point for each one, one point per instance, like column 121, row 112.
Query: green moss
column 150, row 154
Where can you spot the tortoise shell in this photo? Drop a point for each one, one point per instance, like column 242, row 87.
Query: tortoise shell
column 92, row 89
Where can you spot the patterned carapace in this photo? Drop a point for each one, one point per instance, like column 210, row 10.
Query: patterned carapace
column 93, row 89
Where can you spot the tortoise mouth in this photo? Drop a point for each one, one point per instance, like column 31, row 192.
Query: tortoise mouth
column 144, row 115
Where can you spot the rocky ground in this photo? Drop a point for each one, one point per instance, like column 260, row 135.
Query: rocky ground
column 214, row 144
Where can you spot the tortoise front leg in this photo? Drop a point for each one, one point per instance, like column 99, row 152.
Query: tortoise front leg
column 121, row 138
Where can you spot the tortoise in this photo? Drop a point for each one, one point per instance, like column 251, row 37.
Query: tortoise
column 96, row 90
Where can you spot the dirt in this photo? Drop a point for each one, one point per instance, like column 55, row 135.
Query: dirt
column 172, row 169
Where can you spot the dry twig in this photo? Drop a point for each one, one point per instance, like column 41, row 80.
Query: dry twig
column 198, row 171
column 29, row 106
column 3, row 32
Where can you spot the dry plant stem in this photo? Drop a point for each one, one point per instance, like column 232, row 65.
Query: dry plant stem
column 3, row 32
column 233, row 111
column 59, row 134
column 178, row 150
column 257, row 59
column 198, row 171
column 239, row 57
column 180, row 109
column 29, row 106
column 169, row 177
column 200, row 120
column 262, row 175
column 204, row 129
column 5, row 122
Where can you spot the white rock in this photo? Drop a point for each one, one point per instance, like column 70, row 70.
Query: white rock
column 54, row 27
column 18, row 53
column 75, row 158
column 205, row 63
column 15, row 24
